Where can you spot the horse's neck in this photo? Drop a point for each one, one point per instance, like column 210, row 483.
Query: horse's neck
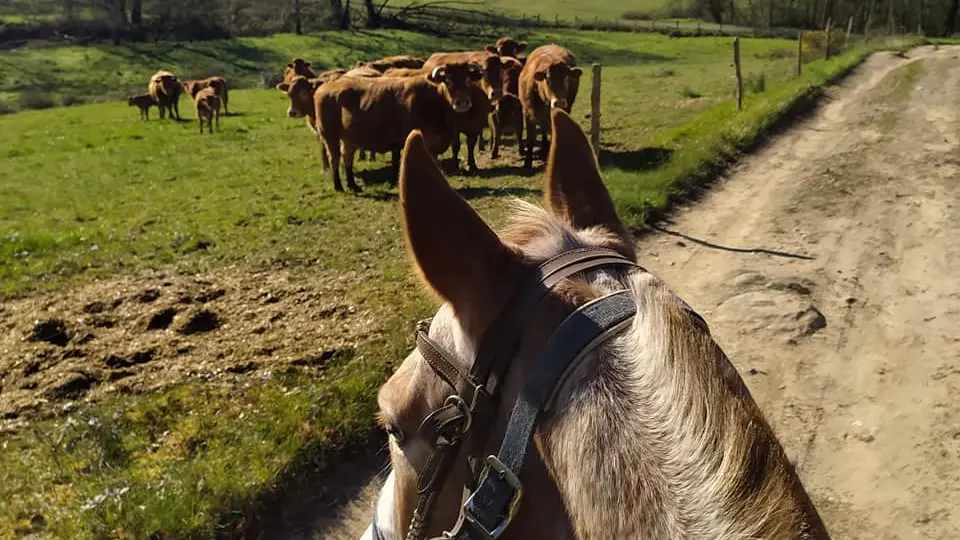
column 661, row 439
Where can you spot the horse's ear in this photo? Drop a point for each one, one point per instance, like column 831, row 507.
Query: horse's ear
column 456, row 253
column 574, row 189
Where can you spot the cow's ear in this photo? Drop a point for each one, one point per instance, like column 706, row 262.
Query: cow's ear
column 540, row 75
column 574, row 189
column 576, row 72
column 289, row 65
column 306, row 64
column 283, row 87
column 521, row 46
column 491, row 49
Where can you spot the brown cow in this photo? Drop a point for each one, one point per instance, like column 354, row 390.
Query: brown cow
column 366, row 72
column 507, row 116
column 208, row 107
column 219, row 85
column 297, row 66
column 144, row 102
column 507, row 46
column 391, row 62
column 377, row 114
column 489, row 61
column 406, row 72
column 471, row 124
column 548, row 80
column 165, row 90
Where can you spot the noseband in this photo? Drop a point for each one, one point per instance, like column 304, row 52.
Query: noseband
column 496, row 493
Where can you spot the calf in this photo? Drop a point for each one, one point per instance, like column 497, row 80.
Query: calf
column 144, row 102
column 471, row 123
column 165, row 90
column 507, row 46
column 393, row 62
column 507, row 115
column 297, row 67
column 208, row 107
column 219, row 85
column 550, row 79
column 377, row 114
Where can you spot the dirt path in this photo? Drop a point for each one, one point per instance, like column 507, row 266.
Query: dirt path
column 844, row 327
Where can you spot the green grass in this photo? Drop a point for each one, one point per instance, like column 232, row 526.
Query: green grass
column 92, row 191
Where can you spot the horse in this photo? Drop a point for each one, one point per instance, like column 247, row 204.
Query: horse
column 561, row 391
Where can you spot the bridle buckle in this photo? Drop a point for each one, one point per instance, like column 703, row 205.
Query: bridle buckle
column 495, row 466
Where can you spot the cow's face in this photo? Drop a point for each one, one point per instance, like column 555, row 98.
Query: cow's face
column 492, row 82
column 559, row 83
column 300, row 91
column 192, row 87
column 508, row 46
column 456, row 81
column 510, row 71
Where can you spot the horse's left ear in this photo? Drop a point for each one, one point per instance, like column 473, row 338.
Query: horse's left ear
column 574, row 189
column 456, row 253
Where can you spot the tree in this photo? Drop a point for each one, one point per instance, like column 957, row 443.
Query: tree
column 373, row 15
column 952, row 18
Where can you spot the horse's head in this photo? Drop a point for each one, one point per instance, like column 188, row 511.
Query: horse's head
column 477, row 274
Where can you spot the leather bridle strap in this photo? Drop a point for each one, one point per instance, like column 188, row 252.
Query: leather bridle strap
column 489, row 510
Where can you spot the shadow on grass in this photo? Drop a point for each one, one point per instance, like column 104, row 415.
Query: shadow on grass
column 643, row 159
column 481, row 192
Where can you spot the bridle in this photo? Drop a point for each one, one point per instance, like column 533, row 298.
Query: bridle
column 496, row 493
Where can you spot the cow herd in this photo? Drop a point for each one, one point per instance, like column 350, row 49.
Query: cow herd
column 373, row 107
column 164, row 91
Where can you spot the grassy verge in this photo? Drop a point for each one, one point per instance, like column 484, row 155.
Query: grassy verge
column 90, row 192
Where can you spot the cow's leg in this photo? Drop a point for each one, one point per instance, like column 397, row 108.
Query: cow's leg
column 471, row 156
column 218, row 119
column 495, row 135
column 226, row 110
column 518, row 133
column 333, row 148
column 531, row 129
column 363, row 155
column 455, row 149
column 324, row 154
column 395, row 163
column 349, row 149
column 543, row 139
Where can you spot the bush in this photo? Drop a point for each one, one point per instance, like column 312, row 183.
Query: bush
column 68, row 100
column 36, row 100
column 7, row 108
column 755, row 83
column 815, row 43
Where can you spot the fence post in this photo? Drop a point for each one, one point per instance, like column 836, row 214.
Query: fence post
column 678, row 26
column 846, row 41
column 699, row 31
column 595, row 111
column 829, row 29
column 556, row 21
column 799, row 54
column 736, row 65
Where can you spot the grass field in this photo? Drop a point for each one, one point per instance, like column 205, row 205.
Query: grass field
column 92, row 193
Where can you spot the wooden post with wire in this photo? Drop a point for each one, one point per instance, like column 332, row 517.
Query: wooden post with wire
column 799, row 54
column 736, row 65
column 829, row 30
column 846, row 41
column 595, row 111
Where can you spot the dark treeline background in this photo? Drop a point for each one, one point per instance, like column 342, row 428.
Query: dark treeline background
column 135, row 20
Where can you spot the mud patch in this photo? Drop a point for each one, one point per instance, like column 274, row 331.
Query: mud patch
column 142, row 333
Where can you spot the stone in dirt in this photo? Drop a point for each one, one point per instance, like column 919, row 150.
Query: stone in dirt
column 50, row 331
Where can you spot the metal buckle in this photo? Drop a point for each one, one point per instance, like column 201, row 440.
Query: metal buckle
column 505, row 473
column 464, row 408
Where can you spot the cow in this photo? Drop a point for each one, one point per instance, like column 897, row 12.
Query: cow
column 550, row 79
column 219, row 85
column 507, row 115
column 143, row 102
column 207, row 103
column 378, row 113
column 297, row 66
column 363, row 72
column 391, row 62
column 406, row 72
column 507, row 46
column 489, row 61
column 165, row 90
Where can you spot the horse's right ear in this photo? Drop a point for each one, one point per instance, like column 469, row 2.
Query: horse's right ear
column 574, row 189
column 455, row 252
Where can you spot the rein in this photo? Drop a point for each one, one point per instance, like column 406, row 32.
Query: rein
column 498, row 489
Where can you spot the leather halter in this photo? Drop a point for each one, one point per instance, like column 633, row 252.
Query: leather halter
column 491, row 506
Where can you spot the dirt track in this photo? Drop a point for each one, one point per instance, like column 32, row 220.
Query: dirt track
column 843, row 323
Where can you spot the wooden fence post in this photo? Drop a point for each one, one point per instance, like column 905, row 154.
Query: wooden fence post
column 846, row 40
column 699, row 29
column 799, row 54
column 736, row 65
column 829, row 29
column 595, row 111
column 556, row 21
